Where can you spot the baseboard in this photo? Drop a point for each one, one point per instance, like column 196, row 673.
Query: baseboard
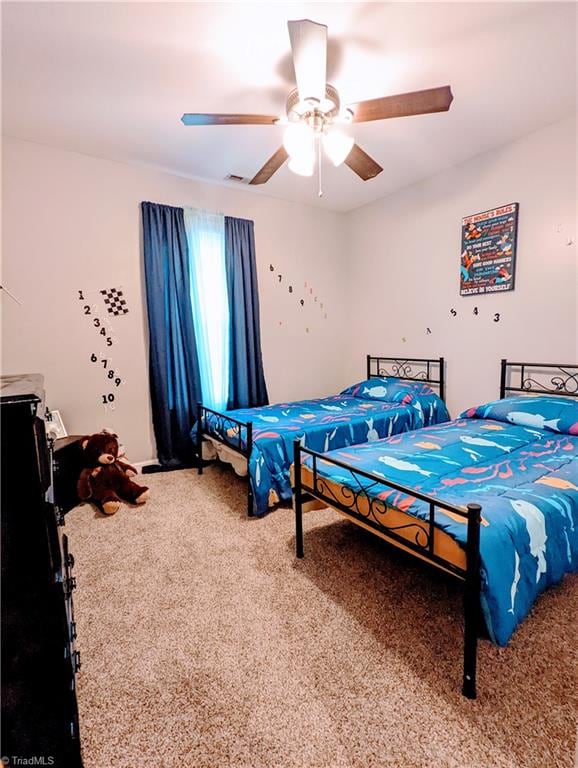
column 140, row 464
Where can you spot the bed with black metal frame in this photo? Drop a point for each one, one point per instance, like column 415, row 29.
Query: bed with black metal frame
column 355, row 500
column 237, row 435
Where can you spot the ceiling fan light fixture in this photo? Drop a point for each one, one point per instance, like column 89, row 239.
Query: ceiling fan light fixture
column 298, row 140
column 337, row 145
column 302, row 165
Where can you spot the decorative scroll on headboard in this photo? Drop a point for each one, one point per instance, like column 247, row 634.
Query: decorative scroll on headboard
column 429, row 370
column 545, row 378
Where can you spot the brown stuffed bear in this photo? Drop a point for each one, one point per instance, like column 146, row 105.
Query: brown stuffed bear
column 105, row 481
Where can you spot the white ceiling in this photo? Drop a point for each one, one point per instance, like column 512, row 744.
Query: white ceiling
column 112, row 80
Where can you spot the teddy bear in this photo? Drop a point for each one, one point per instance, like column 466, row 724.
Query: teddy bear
column 106, row 480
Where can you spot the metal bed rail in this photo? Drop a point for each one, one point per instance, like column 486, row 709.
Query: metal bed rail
column 228, row 431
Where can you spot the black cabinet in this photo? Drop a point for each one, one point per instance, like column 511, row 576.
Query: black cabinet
column 39, row 656
column 68, row 464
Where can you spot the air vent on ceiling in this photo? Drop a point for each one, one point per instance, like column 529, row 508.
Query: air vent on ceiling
column 238, row 179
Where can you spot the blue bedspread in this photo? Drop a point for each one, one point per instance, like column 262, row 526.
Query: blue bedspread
column 509, row 457
column 367, row 411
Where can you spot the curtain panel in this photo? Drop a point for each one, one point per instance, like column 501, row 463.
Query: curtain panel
column 247, row 387
column 173, row 364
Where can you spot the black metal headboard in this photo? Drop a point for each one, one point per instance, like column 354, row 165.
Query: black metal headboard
column 409, row 369
column 556, row 378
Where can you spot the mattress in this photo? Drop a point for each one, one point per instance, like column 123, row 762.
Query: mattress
column 213, row 449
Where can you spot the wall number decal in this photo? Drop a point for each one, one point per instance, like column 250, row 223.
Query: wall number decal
column 103, row 360
column 115, row 303
column 292, row 289
column 476, row 313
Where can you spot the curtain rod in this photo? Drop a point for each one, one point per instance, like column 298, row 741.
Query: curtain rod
column 205, row 210
column 199, row 210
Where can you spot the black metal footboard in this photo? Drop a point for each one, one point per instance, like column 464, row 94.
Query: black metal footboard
column 229, row 432
column 359, row 501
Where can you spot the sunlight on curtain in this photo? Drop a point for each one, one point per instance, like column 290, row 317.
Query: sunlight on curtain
column 206, row 240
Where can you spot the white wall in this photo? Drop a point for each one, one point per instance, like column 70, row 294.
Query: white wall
column 72, row 222
column 404, row 260
column 384, row 273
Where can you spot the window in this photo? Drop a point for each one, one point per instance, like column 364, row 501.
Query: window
column 210, row 303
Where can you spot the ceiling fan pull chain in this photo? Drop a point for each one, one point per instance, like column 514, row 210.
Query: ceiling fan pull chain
column 320, row 192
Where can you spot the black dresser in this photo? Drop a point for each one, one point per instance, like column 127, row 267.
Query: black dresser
column 39, row 657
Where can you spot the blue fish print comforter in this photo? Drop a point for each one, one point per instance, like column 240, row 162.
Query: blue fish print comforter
column 367, row 411
column 518, row 458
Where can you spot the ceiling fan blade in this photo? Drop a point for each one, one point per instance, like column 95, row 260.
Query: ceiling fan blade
column 271, row 166
column 200, row 118
column 362, row 164
column 309, row 46
column 403, row 105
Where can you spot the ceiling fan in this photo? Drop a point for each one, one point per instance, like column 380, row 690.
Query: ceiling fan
column 315, row 116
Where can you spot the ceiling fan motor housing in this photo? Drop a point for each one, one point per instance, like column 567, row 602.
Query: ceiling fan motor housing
column 312, row 111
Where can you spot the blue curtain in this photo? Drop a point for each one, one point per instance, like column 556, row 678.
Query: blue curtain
column 174, row 369
column 247, row 387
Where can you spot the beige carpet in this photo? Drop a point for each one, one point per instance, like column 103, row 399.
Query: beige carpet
column 205, row 644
